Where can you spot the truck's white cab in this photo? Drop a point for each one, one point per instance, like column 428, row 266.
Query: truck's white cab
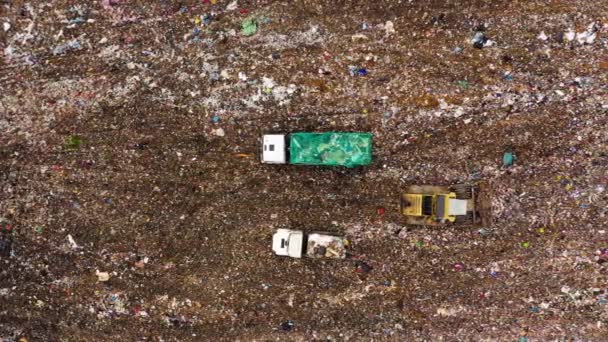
column 274, row 149
column 287, row 242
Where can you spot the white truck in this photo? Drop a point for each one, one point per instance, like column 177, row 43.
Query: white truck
column 348, row 149
column 296, row 243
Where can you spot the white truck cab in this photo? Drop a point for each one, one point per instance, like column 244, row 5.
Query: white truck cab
column 287, row 242
column 274, row 149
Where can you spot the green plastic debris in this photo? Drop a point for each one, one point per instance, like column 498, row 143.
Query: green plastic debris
column 464, row 84
column 73, row 142
column 331, row 149
column 249, row 27
column 508, row 159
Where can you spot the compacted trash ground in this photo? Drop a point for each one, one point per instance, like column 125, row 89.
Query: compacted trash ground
column 134, row 207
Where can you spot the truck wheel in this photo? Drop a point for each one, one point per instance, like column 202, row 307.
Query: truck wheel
column 463, row 191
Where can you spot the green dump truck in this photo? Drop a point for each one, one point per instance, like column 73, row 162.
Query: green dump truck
column 347, row 149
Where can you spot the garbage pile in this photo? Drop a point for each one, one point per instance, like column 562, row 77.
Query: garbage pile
column 324, row 246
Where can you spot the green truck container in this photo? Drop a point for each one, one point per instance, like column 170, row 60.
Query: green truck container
column 349, row 149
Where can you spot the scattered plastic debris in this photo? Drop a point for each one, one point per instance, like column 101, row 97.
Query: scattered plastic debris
column 141, row 263
column 362, row 267
column 102, row 276
column 72, row 243
column 73, row 142
column 464, row 84
column 480, row 40
column 458, row 267
column 232, row 6
column 570, row 35
column 389, row 28
column 508, row 158
column 219, row 132
column 287, row 325
column 588, row 36
column 66, row 47
column 354, row 71
column 484, row 232
column 249, row 27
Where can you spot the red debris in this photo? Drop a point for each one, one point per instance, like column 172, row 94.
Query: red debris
column 458, row 267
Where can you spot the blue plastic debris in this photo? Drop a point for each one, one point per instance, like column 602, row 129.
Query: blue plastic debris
column 508, row 159
column 206, row 19
column 357, row 71
column 78, row 20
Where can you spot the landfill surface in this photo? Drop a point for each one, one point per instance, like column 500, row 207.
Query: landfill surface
column 134, row 207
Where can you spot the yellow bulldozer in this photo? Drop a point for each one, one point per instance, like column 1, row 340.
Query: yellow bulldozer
column 460, row 204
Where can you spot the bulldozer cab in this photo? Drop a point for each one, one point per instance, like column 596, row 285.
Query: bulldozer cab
column 436, row 207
